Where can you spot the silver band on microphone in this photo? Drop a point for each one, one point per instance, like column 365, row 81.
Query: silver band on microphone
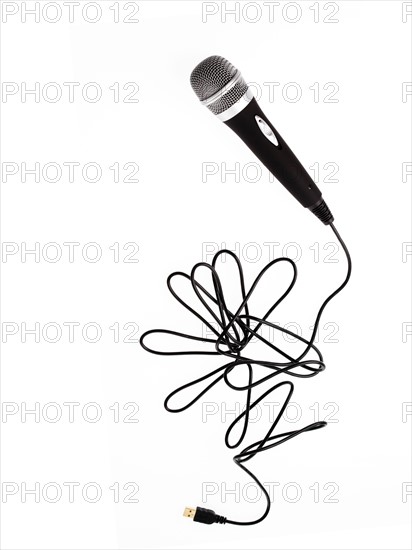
column 222, row 91
column 236, row 107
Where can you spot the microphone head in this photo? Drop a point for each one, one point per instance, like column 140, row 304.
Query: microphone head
column 217, row 83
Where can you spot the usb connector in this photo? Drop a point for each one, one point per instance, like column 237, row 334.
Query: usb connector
column 203, row 515
column 189, row 513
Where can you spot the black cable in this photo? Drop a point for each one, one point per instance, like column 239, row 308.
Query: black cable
column 231, row 340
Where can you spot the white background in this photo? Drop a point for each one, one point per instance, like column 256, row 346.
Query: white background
column 174, row 216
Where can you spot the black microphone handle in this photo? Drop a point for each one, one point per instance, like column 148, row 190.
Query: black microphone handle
column 279, row 159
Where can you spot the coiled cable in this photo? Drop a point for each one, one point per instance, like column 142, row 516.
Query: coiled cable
column 233, row 333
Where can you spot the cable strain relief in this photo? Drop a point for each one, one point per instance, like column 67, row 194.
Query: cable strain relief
column 220, row 519
column 321, row 211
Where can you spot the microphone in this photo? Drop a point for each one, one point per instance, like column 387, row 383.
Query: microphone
column 222, row 89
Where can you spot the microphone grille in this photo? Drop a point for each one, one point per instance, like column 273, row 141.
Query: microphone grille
column 210, row 76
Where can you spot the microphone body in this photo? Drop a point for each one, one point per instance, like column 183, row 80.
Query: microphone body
column 222, row 89
column 253, row 127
